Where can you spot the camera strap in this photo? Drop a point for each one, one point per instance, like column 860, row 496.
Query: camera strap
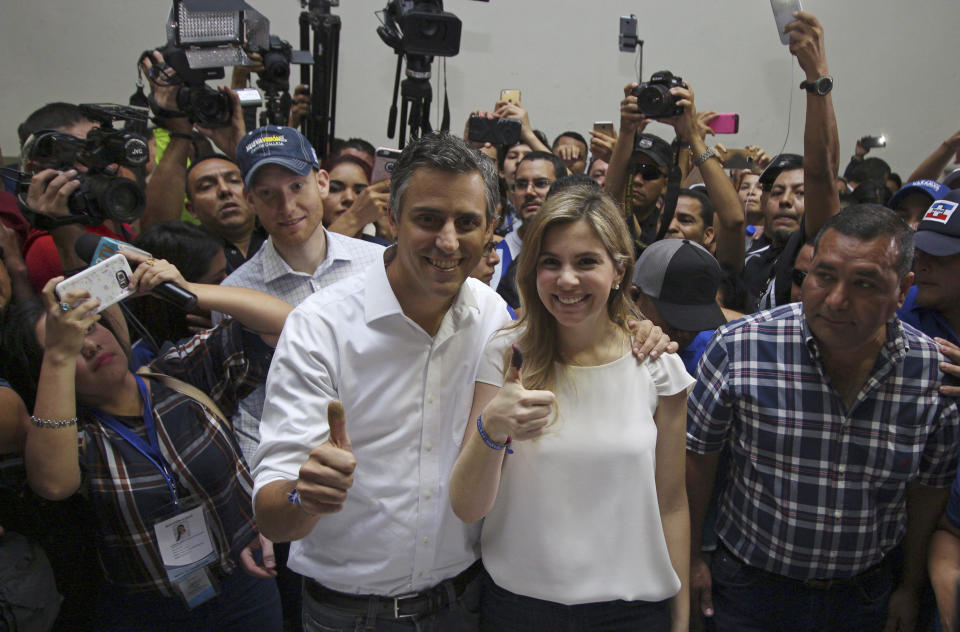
column 670, row 197
column 162, row 112
column 50, row 222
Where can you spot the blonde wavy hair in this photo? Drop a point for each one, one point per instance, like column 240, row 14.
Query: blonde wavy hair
column 537, row 326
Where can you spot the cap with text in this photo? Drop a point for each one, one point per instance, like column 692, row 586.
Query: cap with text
column 275, row 145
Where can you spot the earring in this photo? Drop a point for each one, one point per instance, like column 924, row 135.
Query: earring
column 617, row 286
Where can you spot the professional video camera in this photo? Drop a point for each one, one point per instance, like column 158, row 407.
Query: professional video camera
column 205, row 36
column 102, row 193
column 653, row 97
column 417, row 30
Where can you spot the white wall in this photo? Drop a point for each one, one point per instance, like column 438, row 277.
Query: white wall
column 893, row 63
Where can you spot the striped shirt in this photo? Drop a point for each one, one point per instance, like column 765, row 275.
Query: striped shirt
column 268, row 272
column 816, row 490
column 130, row 494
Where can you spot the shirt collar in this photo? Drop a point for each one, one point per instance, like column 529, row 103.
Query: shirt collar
column 274, row 266
column 894, row 349
column 380, row 301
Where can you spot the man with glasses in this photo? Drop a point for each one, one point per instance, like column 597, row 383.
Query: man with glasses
column 535, row 173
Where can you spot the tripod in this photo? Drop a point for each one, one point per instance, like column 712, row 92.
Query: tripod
column 319, row 125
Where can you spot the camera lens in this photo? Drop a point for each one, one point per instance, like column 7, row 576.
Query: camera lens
column 652, row 100
column 114, row 197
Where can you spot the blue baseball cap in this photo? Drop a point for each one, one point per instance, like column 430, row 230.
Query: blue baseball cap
column 938, row 233
column 275, row 145
column 931, row 187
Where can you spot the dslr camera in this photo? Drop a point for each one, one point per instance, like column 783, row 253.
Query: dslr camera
column 201, row 104
column 102, row 193
column 654, row 98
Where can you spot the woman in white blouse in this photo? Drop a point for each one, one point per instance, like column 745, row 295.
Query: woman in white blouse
column 577, row 460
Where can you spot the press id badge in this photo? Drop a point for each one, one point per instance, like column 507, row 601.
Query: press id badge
column 187, row 553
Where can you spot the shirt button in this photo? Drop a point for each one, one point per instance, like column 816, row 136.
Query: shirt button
column 429, row 447
column 425, row 540
column 842, row 468
column 430, row 399
column 836, row 514
column 429, row 495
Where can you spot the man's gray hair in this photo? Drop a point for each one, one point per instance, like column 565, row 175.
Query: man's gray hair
column 867, row 222
column 443, row 152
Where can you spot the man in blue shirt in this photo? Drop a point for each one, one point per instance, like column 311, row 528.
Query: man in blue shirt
column 933, row 303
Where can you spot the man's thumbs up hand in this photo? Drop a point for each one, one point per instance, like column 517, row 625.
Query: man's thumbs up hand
column 328, row 473
column 516, row 412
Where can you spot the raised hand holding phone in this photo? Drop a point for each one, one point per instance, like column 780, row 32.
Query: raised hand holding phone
column 517, row 413
column 328, row 473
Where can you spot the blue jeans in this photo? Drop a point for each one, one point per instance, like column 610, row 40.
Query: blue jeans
column 244, row 603
column 747, row 599
column 504, row 611
column 459, row 616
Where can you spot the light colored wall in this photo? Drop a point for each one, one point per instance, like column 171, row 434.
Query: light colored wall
column 893, row 63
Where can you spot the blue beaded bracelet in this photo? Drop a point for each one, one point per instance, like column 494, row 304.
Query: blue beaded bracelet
column 490, row 442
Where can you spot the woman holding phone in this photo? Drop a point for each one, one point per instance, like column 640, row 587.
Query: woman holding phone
column 574, row 455
column 168, row 487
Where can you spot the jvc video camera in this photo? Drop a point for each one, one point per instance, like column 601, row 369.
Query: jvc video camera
column 102, row 193
column 653, row 97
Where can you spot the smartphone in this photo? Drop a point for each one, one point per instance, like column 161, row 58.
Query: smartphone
column 604, row 127
column 725, row 123
column 510, row 96
column 872, row 142
column 628, row 33
column 496, row 131
column 383, row 162
column 737, row 159
column 108, row 281
column 783, row 11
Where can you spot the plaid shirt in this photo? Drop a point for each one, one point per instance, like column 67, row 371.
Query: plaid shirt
column 268, row 272
column 816, row 490
column 130, row 494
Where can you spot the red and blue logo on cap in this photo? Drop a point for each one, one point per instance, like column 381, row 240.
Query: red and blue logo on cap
column 940, row 211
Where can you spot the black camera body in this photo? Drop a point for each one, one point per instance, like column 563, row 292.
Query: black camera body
column 102, row 193
column 653, row 97
column 202, row 104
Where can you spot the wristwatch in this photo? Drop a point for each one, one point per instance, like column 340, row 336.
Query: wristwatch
column 821, row 87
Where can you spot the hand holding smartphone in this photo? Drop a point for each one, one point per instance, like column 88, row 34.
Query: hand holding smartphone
column 783, row 11
column 725, row 123
column 383, row 163
column 108, row 281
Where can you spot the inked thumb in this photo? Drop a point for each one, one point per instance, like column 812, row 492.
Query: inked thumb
column 338, row 426
column 516, row 362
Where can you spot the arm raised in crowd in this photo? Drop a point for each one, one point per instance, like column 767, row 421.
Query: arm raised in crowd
column 730, row 219
column 631, row 122
column 821, row 142
column 933, row 165
column 509, row 109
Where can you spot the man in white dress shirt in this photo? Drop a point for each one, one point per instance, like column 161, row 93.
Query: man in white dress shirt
column 365, row 500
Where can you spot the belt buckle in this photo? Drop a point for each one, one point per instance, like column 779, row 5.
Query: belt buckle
column 396, row 605
column 819, row 584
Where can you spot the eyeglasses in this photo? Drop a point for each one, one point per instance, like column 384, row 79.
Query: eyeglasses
column 799, row 276
column 648, row 171
column 540, row 184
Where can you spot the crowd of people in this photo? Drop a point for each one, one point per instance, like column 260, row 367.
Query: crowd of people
column 604, row 384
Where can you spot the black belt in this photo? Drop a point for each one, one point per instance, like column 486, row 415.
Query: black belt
column 419, row 604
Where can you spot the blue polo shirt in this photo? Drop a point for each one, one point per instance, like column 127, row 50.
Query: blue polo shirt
column 929, row 321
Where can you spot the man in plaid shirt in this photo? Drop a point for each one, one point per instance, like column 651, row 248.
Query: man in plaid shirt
column 842, row 447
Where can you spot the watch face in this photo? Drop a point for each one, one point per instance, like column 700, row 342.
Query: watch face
column 824, row 85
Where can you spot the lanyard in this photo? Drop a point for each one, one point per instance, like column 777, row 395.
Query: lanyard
column 151, row 450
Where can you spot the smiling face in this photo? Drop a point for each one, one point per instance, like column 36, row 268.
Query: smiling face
column 852, row 290
column 575, row 275
column 784, row 206
column 347, row 182
column 217, row 199
column 290, row 206
column 440, row 233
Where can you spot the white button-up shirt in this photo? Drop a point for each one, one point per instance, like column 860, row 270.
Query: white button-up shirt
column 407, row 397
